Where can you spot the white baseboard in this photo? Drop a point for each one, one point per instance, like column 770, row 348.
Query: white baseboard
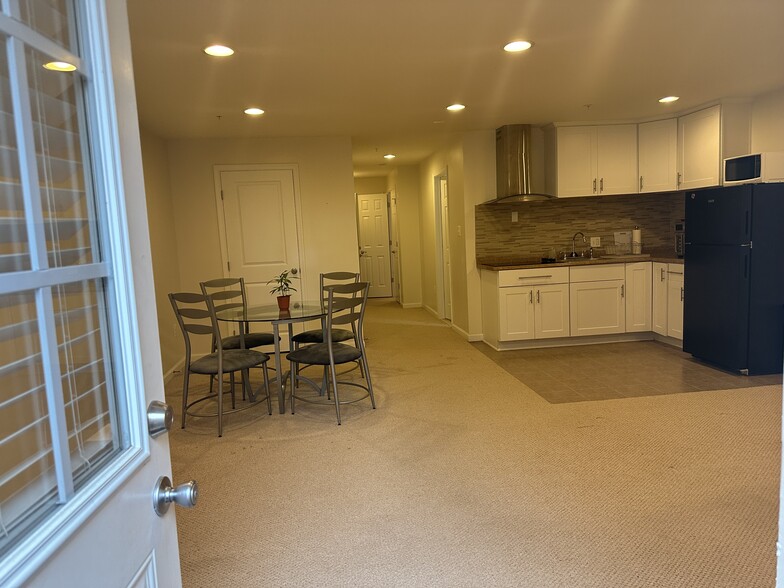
column 177, row 367
column 669, row 340
column 465, row 334
column 432, row 311
column 412, row 305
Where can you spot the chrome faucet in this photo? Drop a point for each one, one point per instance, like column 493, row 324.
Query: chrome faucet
column 574, row 253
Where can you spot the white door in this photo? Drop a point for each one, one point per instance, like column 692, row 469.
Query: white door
column 616, row 159
column 638, row 297
column 660, row 282
column 79, row 351
column 576, row 153
column 446, row 255
column 658, row 149
column 699, row 149
column 260, row 226
column 675, row 302
column 596, row 308
column 516, row 313
column 373, row 223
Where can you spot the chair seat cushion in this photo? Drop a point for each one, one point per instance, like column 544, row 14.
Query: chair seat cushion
column 319, row 354
column 233, row 360
column 317, row 336
column 251, row 340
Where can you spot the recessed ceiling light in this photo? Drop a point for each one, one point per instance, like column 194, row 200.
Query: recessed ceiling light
column 60, row 66
column 389, row 156
column 517, row 46
column 455, row 107
column 254, row 111
column 668, row 99
column 219, row 51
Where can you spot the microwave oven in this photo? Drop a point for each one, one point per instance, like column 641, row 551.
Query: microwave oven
column 757, row 167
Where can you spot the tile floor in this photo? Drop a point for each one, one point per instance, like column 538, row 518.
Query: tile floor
column 615, row 370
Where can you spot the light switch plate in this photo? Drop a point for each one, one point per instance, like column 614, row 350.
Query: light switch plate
column 514, row 216
column 596, row 241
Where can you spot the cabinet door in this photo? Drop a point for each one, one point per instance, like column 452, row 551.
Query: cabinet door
column 616, row 159
column 660, row 298
column 699, row 161
column 551, row 311
column 516, row 313
column 638, row 297
column 675, row 303
column 576, row 148
column 597, row 308
column 657, row 157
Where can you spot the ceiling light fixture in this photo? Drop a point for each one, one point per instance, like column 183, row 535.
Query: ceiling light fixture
column 219, row 51
column 455, row 107
column 254, row 111
column 668, row 99
column 60, row 66
column 517, row 46
column 389, row 156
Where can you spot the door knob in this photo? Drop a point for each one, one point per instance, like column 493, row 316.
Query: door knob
column 160, row 417
column 294, row 271
column 163, row 495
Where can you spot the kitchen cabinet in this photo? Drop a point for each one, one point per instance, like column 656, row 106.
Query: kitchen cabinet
column 596, row 160
column 657, row 155
column 668, row 299
column 699, row 149
column 596, row 300
column 638, row 297
column 519, row 305
column 675, row 301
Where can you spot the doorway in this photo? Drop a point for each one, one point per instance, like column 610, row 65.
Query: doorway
column 374, row 250
column 443, row 254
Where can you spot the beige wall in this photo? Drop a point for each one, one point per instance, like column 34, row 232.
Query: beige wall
column 404, row 181
column 163, row 243
column 326, row 196
column 375, row 185
column 767, row 122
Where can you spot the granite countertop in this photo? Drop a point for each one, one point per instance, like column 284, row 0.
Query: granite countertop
column 527, row 262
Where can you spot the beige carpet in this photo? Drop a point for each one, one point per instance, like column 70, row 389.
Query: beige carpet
column 463, row 476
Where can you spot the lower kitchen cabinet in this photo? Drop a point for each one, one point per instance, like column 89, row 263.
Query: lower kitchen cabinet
column 638, row 297
column 668, row 299
column 596, row 300
column 519, row 305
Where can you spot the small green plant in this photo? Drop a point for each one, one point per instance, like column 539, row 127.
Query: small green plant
column 283, row 283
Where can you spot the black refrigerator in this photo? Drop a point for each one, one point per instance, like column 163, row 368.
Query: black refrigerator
column 733, row 306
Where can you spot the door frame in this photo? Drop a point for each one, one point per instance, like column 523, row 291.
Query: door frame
column 394, row 251
column 441, row 281
column 293, row 168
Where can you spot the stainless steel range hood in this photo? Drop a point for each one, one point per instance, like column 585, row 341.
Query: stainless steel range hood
column 520, row 164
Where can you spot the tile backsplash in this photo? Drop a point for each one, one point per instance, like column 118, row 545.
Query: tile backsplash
column 552, row 223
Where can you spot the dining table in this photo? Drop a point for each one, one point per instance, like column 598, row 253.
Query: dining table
column 298, row 312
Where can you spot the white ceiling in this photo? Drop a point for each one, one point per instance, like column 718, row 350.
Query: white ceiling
column 383, row 72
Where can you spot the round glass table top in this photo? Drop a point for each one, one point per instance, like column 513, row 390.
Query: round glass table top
column 271, row 312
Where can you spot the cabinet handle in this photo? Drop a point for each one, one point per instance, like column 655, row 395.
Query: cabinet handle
column 532, row 277
column 662, row 274
column 594, row 185
column 640, row 183
column 679, row 178
column 537, row 296
column 530, row 296
column 674, row 273
column 601, row 185
column 681, row 293
column 623, row 287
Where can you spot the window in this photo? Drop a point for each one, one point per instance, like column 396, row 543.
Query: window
column 59, row 417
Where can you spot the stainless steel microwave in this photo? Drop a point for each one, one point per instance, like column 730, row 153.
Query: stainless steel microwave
column 756, row 167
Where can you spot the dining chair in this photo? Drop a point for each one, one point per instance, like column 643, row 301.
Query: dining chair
column 345, row 305
column 227, row 294
column 192, row 310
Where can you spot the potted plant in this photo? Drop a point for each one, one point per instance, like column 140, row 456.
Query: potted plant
column 283, row 288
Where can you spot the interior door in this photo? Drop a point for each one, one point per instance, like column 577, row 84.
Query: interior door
column 79, row 351
column 260, row 227
column 395, row 248
column 373, row 222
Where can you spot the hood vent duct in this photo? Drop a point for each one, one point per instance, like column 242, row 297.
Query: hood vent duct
column 520, row 164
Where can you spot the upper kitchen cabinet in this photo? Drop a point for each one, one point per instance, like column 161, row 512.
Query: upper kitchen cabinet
column 706, row 138
column 699, row 149
column 596, row 160
column 658, row 149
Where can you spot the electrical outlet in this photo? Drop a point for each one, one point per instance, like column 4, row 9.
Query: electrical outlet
column 514, row 216
column 596, row 241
